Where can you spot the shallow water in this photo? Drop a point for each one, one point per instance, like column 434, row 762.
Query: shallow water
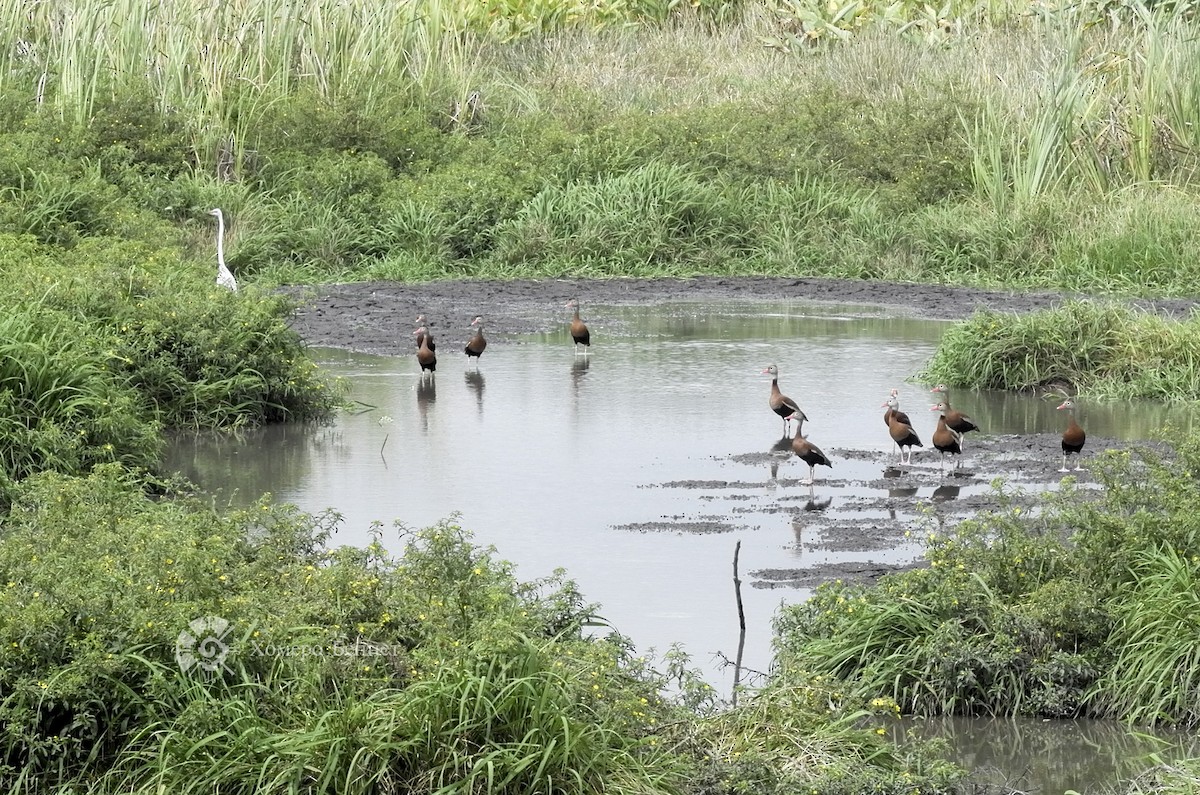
column 639, row 466
column 1050, row 756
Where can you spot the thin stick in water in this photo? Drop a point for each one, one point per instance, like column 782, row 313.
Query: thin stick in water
column 737, row 590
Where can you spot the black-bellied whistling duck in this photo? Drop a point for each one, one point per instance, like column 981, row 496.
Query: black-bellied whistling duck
column 780, row 403
column 425, row 355
column 1073, row 437
column 421, row 329
column 945, row 438
column 955, row 420
column 902, row 433
column 808, row 452
column 894, row 410
column 474, row 347
column 579, row 329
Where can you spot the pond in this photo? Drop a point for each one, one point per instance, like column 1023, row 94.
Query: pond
column 638, row 466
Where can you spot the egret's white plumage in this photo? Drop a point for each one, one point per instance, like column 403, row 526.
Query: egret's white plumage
column 224, row 275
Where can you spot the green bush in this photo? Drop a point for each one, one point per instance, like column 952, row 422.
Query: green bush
column 345, row 670
column 1078, row 607
column 1096, row 347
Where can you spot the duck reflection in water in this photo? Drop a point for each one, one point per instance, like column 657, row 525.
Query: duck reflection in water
column 426, row 395
column 475, row 381
column 816, row 504
column 946, row 493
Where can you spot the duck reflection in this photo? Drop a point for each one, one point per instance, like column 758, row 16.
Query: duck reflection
column 475, row 382
column 426, row 395
column 817, row 504
column 945, row 493
column 579, row 368
column 783, row 445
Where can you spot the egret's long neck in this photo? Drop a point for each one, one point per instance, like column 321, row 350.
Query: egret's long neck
column 221, row 240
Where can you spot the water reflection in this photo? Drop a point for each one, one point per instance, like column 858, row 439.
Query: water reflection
column 1050, row 755
column 817, row 504
column 946, row 492
column 782, row 445
column 475, row 382
column 426, row 396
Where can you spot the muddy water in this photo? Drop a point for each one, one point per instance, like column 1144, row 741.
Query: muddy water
column 639, row 466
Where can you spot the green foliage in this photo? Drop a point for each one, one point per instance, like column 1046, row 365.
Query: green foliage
column 661, row 216
column 1100, row 348
column 345, row 670
column 61, row 408
column 1078, row 607
column 195, row 354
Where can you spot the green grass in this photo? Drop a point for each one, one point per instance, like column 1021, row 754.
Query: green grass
column 1106, row 350
column 1079, row 607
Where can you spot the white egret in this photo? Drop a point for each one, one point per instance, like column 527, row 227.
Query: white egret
column 224, row 276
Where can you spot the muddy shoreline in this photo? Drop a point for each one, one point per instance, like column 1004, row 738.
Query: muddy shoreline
column 377, row 318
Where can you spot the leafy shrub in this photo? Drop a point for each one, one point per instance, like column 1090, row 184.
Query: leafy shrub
column 335, row 669
column 193, row 354
column 1098, row 347
column 61, row 408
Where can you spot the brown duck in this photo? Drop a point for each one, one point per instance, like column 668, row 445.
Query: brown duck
column 780, row 403
column 1073, row 437
column 476, row 345
column 806, row 451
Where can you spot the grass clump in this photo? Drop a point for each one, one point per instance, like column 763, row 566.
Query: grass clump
column 1081, row 607
column 1101, row 348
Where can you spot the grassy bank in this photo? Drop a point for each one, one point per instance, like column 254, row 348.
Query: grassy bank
column 1106, row 350
column 109, row 343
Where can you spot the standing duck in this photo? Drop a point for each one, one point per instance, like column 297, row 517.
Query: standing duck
column 579, row 329
column 421, row 332
column 945, row 438
column 808, row 452
column 474, row 347
column 902, row 433
column 1073, row 437
column 895, row 411
column 780, row 403
column 425, row 355
column 955, row 420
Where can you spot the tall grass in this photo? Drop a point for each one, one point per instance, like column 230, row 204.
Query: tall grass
column 61, row 408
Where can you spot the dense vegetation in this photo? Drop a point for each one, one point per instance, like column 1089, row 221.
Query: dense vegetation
column 1105, row 350
column 355, row 671
column 986, row 144
column 1083, row 607
column 982, row 144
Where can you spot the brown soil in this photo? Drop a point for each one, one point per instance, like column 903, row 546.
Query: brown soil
column 377, row 317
